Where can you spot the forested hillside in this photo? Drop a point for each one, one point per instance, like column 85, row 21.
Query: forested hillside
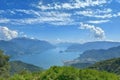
column 111, row 65
column 19, row 66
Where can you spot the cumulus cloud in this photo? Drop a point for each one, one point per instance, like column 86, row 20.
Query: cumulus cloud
column 7, row 34
column 97, row 31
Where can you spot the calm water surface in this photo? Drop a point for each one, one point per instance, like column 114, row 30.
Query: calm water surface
column 49, row 58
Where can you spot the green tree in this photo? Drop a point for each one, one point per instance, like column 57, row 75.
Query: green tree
column 4, row 65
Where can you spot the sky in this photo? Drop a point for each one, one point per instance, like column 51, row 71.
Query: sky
column 60, row 20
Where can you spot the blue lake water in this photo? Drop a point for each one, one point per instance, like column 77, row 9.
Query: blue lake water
column 49, row 58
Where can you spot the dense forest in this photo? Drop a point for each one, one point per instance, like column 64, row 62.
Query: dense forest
column 53, row 73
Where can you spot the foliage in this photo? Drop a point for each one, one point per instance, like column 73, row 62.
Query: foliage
column 70, row 73
column 65, row 73
column 81, row 65
column 19, row 66
column 111, row 65
column 4, row 65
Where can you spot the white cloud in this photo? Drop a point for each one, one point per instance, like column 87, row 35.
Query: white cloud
column 52, row 17
column 98, row 21
column 104, row 16
column 4, row 20
column 98, row 13
column 56, row 17
column 117, row 14
column 118, row 1
column 7, row 11
column 75, row 4
column 2, row 11
column 7, row 34
column 64, row 23
column 97, row 31
column 28, row 12
column 57, row 13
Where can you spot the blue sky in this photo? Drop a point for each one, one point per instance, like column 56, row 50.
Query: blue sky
column 60, row 20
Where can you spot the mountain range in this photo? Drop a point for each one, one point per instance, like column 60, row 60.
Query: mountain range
column 100, row 54
column 92, row 45
column 90, row 57
column 20, row 46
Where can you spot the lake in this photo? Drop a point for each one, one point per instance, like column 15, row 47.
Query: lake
column 49, row 58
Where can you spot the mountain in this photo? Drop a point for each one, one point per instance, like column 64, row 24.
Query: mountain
column 18, row 66
column 20, row 46
column 92, row 56
column 111, row 65
column 101, row 54
column 92, row 45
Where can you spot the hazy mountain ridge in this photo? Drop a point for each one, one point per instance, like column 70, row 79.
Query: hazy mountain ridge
column 101, row 54
column 92, row 56
column 23, row 45
column 92, row 45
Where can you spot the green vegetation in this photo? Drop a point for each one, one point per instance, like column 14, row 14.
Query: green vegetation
column 19, row 66
column 4, row 65
column 112, row 65
column 81, row 65
column 70, row 73
column 65, row 73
